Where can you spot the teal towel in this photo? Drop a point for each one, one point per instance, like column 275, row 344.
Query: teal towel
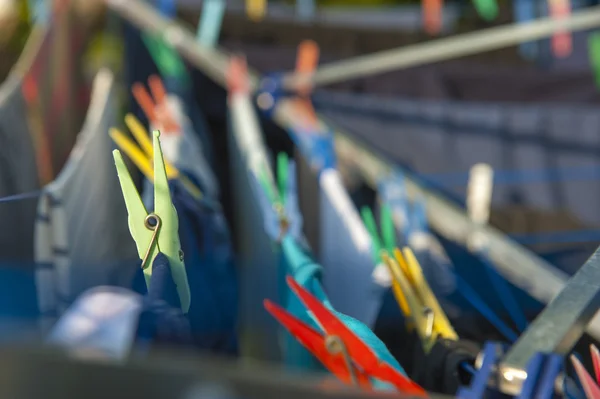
column 299, row 264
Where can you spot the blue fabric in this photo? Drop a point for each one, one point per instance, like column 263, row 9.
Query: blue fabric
column 210, row 267
column 18, row 297
column 296, row 262
column 162, row 319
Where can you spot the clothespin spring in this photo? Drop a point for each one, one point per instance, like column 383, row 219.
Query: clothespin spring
column 153, row 223
column 335, row 346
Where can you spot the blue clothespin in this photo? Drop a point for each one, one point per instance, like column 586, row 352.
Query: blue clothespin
column 542, row 372
column 479, row 384
column 524, row 11
column 210, row 22
column 167, row 8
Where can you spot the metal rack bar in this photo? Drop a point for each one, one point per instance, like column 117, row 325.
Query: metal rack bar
column 558, row 328
column 446, row 48
column 516, row 263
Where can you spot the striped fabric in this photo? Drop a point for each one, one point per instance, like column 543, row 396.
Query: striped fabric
column 81, row 233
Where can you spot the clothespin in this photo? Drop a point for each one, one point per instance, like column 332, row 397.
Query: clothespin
column 590, row 387
column 210, row 22
column 542, row 372
column 142, row 155
column 155, row 106
column 594, row 51
column 479, row 198
column 432, row 16
column 381, row 272
column 393, row 193
column 256, row 9
column 339, row 349
column 168, row 61
column 487, row 9
column 562, row 41
column 430, row 320
column 282, row 216
column 305, row 9
column 155, row 232
column 271, row 90
column 479, row 384
column 167, row 8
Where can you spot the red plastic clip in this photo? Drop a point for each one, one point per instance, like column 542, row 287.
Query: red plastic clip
column 340, row 350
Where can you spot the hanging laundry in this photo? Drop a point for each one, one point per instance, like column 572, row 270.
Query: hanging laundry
column 101, row 322
column 76, row 209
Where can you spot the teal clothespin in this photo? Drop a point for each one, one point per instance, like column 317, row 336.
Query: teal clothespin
column 210, row 22
column 305, row 9
column 157, row 231
column 594, row 51
column 487, row 9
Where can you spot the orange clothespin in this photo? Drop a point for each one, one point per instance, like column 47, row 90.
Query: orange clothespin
column 307, row 60
column 339, row 350
column 432, row 16
column 155, row 106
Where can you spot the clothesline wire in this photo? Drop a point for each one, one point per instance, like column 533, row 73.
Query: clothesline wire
column 23, row 196
column 444, row 49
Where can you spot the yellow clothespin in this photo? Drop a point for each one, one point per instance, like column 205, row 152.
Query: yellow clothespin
column 430, row 320
column 256, row 9
column 142, row 155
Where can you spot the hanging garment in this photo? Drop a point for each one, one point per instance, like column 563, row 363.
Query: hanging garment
column 345, row 253
column 18, row 174
column 297, row 263
column 211, row 272
column 81, row 234
column 257, row 258
column 102, row 321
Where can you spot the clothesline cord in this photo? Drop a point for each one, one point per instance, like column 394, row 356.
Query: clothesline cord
column 19, row 197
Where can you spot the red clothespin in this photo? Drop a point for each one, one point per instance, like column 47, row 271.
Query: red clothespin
column 596, row 362
column 155, row 106
column 340, row 350
column 432, row 16
column 590, row 387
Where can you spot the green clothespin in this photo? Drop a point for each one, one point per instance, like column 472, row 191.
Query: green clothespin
column 594, row 50
column 157, row 231
column 167, row 59
column 276, row 196
column 388, row 243
column 487, row 9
